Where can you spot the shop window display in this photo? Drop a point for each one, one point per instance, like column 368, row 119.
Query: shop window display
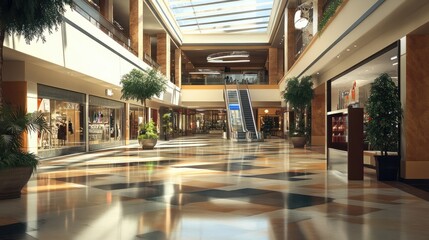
column 65, row 120
column 105, row 123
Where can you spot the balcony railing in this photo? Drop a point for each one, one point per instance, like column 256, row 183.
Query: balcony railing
column 92, row 14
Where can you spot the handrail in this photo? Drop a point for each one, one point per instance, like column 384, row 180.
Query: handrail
column 241, row 109
column 251, row 110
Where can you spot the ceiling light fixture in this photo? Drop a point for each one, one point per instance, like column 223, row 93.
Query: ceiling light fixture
column 302, row 15
column 393, row 58
column 229, row 57
column 205, row 71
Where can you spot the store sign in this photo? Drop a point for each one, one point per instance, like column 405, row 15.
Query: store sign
column 109, row 92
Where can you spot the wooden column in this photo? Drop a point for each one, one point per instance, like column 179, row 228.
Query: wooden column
column 163, row 53
column 178, row 67
column 136, row 26
column 290, row 39
column 416, row 108
column 318, row 116
column 272, row 66
column 146, row 45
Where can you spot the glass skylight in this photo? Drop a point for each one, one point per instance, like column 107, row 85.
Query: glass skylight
column 221, row 16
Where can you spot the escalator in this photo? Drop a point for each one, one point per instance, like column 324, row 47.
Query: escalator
column 241, row 120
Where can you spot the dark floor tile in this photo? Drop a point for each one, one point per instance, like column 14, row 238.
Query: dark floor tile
column 288, row 200
column 181, row 199
column 288, row 176
column 116, row 186
column 83, row 180
column 156, row 235
column 16, row 231
column 247, row 192
column 224, row 167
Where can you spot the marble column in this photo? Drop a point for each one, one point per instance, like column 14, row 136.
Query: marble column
column 106, row 9
column 318, row 116
column 273, row 66
column 178, row 67
column 163, row 53
column 136, row 26
column 415, row 163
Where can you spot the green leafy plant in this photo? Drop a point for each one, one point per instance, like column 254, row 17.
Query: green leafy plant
column 141, row 86
column 29, row 18
column 299, row 93
column 384, row 115
column 148, row 131
column 328, row 13
column 14, row 122
column 167, row 125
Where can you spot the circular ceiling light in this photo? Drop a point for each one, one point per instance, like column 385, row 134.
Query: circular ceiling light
column 229, row 57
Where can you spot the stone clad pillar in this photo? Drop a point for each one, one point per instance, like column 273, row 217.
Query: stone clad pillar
column 273, row 66
column 178, row 67
column 163, row 53
column 136, row 26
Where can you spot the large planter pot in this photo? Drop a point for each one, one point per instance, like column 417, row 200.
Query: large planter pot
column 148, row 143
column 298, row 142
column 12, row 180
column 387, row 167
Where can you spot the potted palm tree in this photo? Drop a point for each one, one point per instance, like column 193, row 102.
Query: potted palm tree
column 16, row 165
column 384, row 115
column 299, row 93
column 148, row 135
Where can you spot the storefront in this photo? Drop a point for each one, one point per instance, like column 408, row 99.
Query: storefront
column 65, row 113
column 105, row 123
column 351, row 90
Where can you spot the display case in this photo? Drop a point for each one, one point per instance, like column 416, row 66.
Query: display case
column 338, row 130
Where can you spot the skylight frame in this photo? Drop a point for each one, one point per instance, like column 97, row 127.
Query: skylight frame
column 223, row 16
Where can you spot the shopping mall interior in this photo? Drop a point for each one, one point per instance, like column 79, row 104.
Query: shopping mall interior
column 226, row 167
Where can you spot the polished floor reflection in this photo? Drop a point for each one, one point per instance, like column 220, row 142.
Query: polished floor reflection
column 204, row 187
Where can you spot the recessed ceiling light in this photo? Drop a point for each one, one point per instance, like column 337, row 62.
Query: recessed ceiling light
column 355, row 45
column 393, row 58
column 395, row 63
column 348, row 49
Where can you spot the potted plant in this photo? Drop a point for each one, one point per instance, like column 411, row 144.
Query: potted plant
column 166, row 125
column 299, row 93
column 16, row 165
column 148, row 136
column 142, row 86
column 384, row 115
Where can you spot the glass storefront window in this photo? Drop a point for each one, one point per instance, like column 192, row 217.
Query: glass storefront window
column 64, row 111
column 105, row 123
column 66, row 122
